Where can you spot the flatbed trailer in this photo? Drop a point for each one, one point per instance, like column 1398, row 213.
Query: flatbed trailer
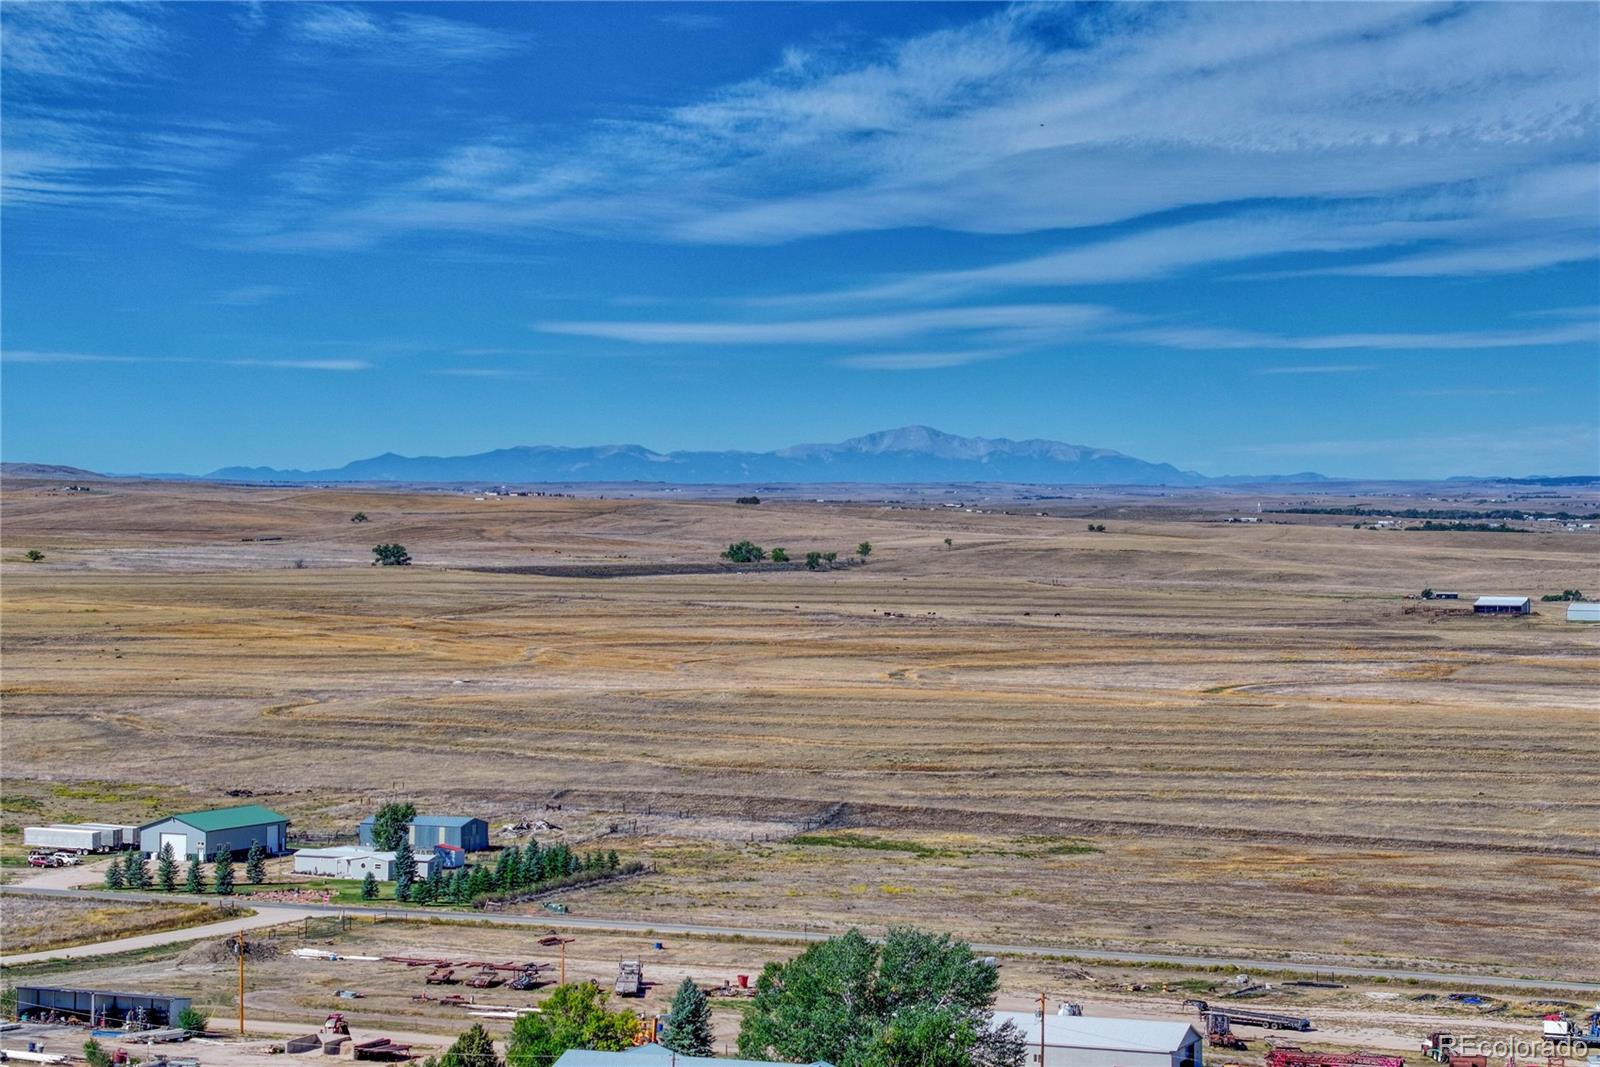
column 1233, row 1016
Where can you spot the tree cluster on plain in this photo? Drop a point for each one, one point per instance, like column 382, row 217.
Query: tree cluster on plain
column 749, row 552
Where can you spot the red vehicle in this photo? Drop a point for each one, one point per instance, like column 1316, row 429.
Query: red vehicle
column 39, row 859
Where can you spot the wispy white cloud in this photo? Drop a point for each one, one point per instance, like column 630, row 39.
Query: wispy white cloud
column 246, row 295
column 921, row 360
column 79, row 42
column 1206, row 338
column 1321, row 368
column 31, row 356
column 1016, row 323
column 372, row 34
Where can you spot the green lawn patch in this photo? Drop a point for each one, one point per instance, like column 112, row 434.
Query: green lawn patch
column 878, row 844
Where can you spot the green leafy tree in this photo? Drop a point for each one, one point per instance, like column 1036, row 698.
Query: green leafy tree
column 193, row 882
column 920, row 999
column 948, row 543
column 222, row 873
column 864, row 549
column 745, row 552
column 813, row 560
column 95, row 1053
column 688, row 1029
column 780, row 555
column 390, row 556
column 391, row 824
column 360, row 516
column 830, row 556
column 369, row 887
column 8, row 1003
column 191, row 1022
column 475, row 1048
column 114, row 875
column 255, row 864
column 405, row 869
column 33, row 555
column 167, row 869
column 573, row 1016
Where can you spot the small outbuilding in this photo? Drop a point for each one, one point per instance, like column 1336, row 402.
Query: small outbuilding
column 353, row 861
column 1082, row 1041
column 202, row 833
column 1583, row 611
column 425, row 831
column 1503, row 605
column 97, row 1007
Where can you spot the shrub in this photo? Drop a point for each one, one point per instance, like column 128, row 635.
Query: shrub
column 191, row 1022
column 390, row 556
column 745, row 552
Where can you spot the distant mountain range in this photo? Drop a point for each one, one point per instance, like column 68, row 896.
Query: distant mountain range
column 907, row 455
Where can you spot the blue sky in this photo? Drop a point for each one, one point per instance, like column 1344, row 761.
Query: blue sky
column 1359, row 239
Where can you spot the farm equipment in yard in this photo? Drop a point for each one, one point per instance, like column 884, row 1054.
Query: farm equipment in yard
column 336, row 1024
column 1232, row 1016
column 487, row 978
column 1219, row 1034
column 1290, row 1056
column 1561, row 1027
column 441, row 976
column 630, row 979
column 1441, row 1047
column 527, row 979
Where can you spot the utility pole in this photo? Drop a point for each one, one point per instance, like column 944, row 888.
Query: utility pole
column 1040, row 1031
column 241, row 983
column 563, row 961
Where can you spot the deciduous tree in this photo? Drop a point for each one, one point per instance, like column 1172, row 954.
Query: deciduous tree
column 573, row 1016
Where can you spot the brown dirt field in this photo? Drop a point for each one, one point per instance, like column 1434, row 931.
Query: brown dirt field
column 28, row 924
column 1271, row 755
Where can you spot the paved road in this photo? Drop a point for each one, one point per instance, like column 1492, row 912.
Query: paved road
column 163, row 937
column 295, row 912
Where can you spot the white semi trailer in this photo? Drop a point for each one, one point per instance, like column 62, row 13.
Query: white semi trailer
column 72, row 837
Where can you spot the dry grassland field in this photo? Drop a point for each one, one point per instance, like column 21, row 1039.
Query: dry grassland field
column 1176, row 735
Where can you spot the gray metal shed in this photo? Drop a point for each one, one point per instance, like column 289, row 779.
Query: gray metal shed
column 108, row 1007
column 202, row 833
column 425, row 831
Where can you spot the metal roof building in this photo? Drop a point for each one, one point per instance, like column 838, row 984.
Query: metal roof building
column 651, row 1055
column 1083, row 1041
column 112, row 1007
column 202, row 833
column 426, row 831
column 1503, row 605
column 1583, row 611
column 354, row 861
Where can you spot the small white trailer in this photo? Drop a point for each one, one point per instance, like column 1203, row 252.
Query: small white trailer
column 70, row 837
column 123, row 836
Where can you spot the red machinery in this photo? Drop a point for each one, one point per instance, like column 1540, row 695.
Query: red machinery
column 1290, row 1056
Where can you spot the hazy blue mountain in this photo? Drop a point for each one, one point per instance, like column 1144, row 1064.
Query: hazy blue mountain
column 909, row 454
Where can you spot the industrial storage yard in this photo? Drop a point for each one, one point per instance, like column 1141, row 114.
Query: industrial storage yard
column 1182, row 736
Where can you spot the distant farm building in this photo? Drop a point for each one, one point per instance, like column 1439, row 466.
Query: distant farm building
column 1447, row 596
column 425, row 831
column 202, row 833
column 351, row 861
column 1503, row 605
column 1583, row 611
column 1081, row 1041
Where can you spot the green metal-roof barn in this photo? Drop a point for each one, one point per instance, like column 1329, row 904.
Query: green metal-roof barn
column 202, row 833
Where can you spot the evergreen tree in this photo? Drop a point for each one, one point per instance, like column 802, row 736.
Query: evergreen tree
column 369, row 887
column 420, row 892
column 479, row 881
column 137, row 875
column 613, row 861
column 167, row 869
column 502, row 871
column 114, row 875
column 192, row 881
column 436, row 890
column 405, row 869
column 222, row 873
column 688, row 1027
column 475, row 1048
column 255, row 864
column 458, row 887
column 532, row 864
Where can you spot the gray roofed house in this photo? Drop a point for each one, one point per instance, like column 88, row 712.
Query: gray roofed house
column 1083, row 1041
column 652, row 1055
